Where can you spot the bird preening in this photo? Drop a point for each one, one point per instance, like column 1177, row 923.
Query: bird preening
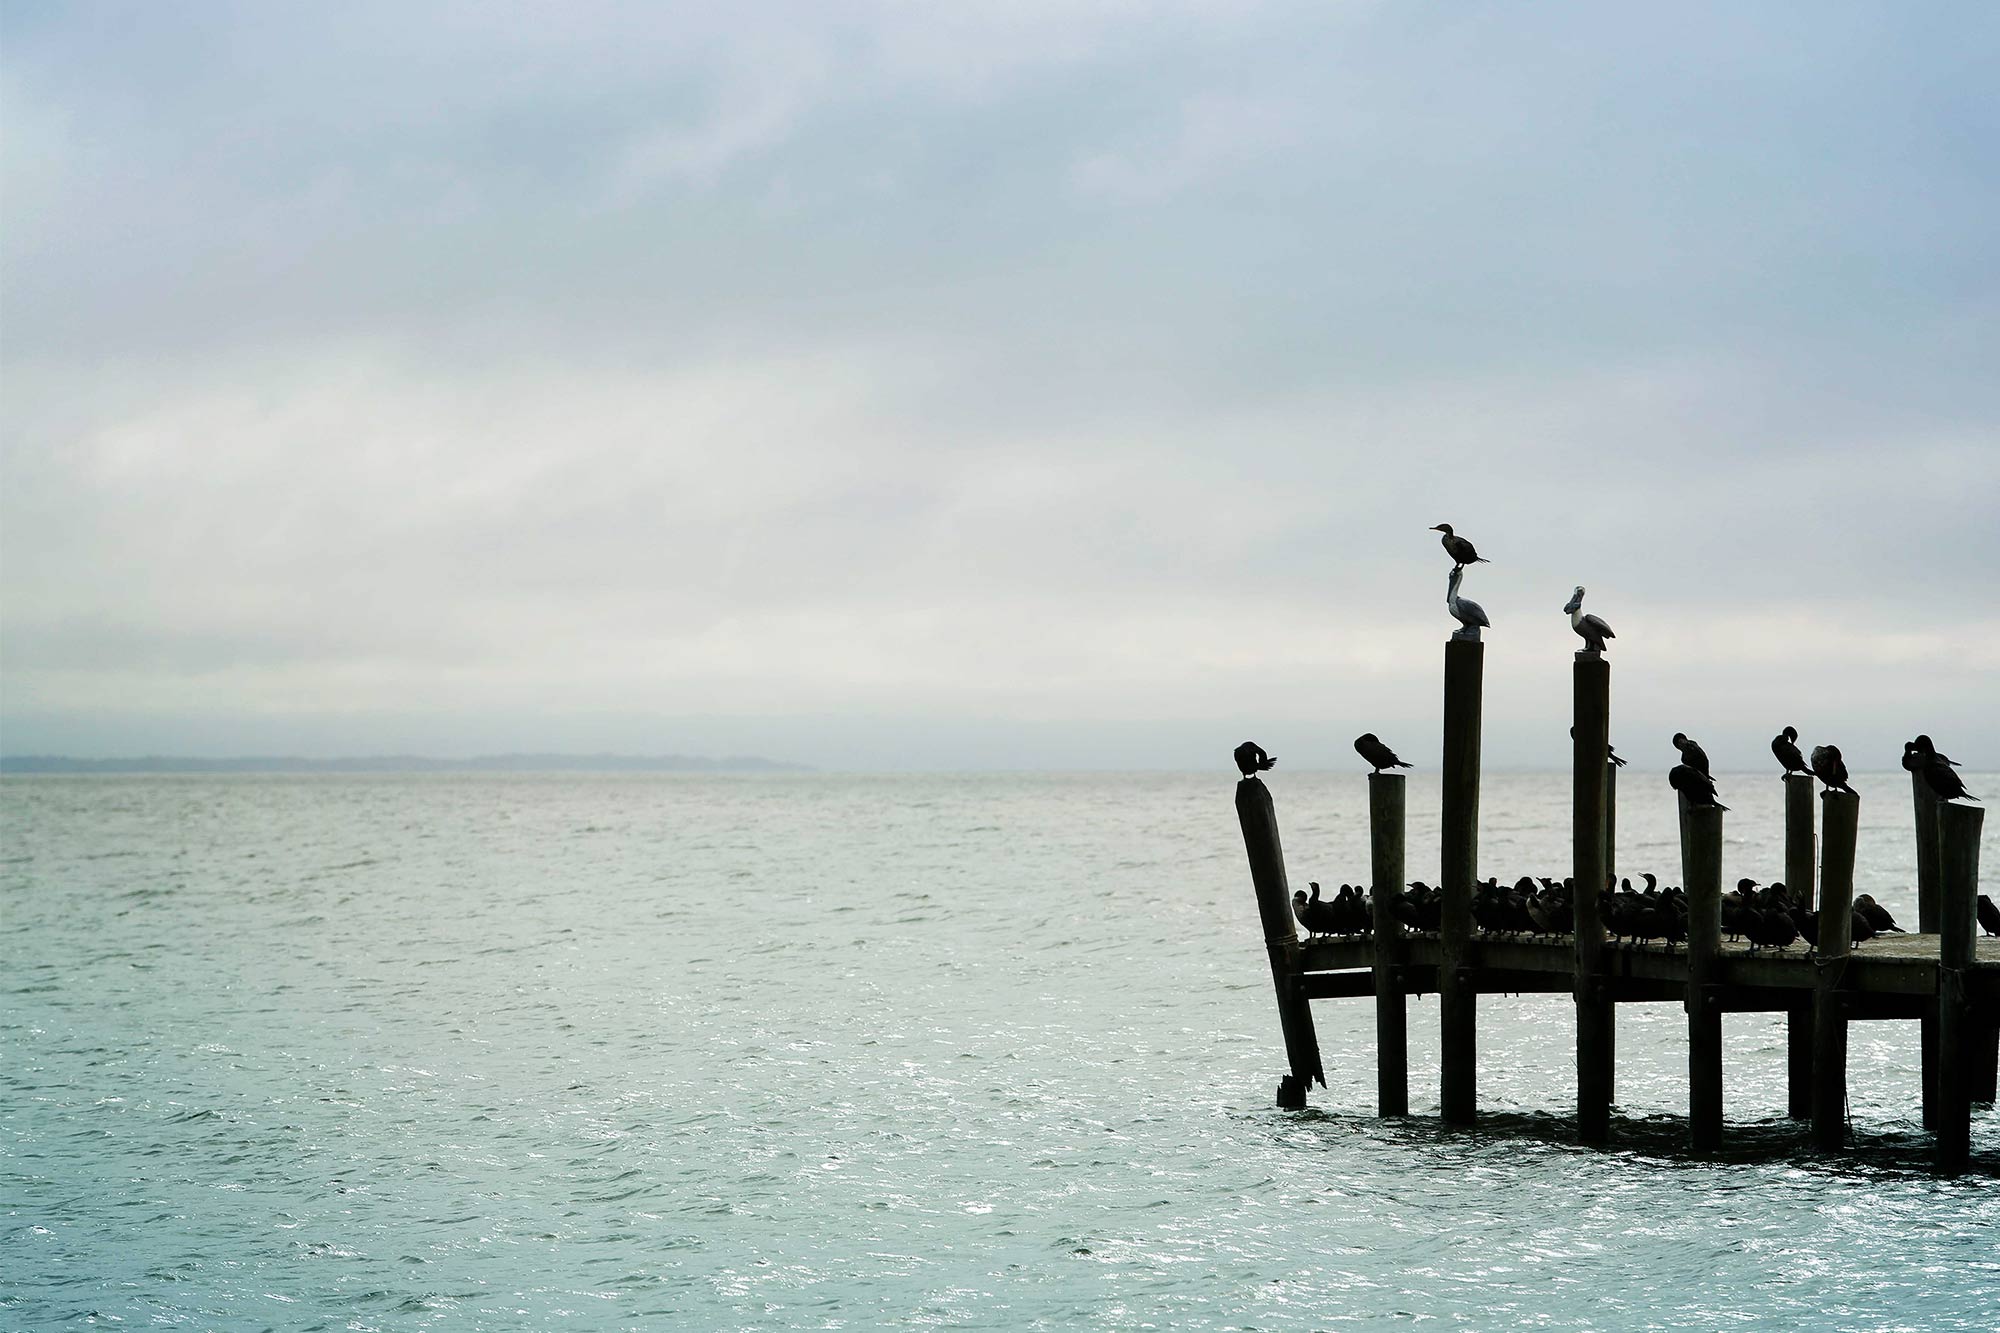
column 1691, row 753
column 1378, row 755
column 1785, row 745
column 1939, row 773
column 1830, row 769
column 1251, row 759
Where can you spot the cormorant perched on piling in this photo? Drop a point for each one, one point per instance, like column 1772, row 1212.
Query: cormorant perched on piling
column 1470, row 615
column 1785, row 745
column 1694, row 784
column 1931, row 756
column 1989, row 915
column 1828, row 767
column 1610, row 751
column 1591, row 629
column 1938, row 772
column 1251, row 759
column 1377, row 754
column 1692, row 754
column 1458, row 548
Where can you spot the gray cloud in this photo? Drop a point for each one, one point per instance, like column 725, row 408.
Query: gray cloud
column 868, row 382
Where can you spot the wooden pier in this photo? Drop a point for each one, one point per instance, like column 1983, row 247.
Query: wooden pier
column 1943, row 976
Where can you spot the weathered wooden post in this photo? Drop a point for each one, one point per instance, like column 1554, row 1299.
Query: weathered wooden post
column 1840, row 815
column 1924, row 803
column 1458, row 1037
column 1596, row 1022
column 1958, row 829
column 1800, row 855
column 1701, row 872
column 1385, row 868
column 1281, row 940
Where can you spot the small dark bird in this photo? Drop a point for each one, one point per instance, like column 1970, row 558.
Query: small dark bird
column 1610, row 752
column 1785, row 745
column 1878, row 916
column 1692, row 754
column 1458, row 548
column 1828, row 767
column 1923, row 743
column 1938, row 774
column 1378, row 755
column 1591, row 629
column 1859, row 928
column 1694, row 784
column 1989, row 915
column 1319, row 918
column 1251, row 759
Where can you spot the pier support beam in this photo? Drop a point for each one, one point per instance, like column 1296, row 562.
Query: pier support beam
column 1259, row 819
column 1596, row 1022
column 1958, row 829
column 1925, row 803
column 1840, row 814
column 1385, row 868
column 1458, row 1038
column 1801, row 852
column 1701, row 872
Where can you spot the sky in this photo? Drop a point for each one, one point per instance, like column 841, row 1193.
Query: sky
column 1011, row 385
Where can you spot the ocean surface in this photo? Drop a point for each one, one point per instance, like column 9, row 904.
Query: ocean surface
column 817, row 1052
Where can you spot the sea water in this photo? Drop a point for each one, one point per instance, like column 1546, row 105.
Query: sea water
column 817, row 1052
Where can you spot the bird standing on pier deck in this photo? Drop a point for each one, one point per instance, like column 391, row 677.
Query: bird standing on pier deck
column 1471, row 616
column 1458, row 548
column 1785, row 745
column 1377, row 754
column 1878, row 915
column 1251, row 759
column 1989, row 915
column 1830, row 769
column 1591, row 629
column 1696, row 785
column 1691, row 754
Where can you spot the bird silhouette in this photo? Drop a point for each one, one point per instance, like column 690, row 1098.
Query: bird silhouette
column 1691, row 754
column 1458, row 548
column 1830, row 769
column 1694, row 784
column 1378, row 755
column 1785, row 745
column 1591, row 629
column 1251, row 759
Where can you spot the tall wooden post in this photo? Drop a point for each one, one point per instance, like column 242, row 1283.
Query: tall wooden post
column 1701, row 872
column 1924, row 803
column 1596, row 1023
column 1840, row 815
column 1958, row 829
column 1281, row 940
column 1458, row 1011
column 1801, row 852
column 1392, row 1033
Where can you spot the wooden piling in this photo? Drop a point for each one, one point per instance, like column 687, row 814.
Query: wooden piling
column 1458, row 1040
column 1392, row 1032
column 1958, row 828
column 1701, row 873
column 1259, row 819
column 1924, row 805
column 1840, row 814
column 1610, row 821
column 1596, row 1021
column 1800, row 854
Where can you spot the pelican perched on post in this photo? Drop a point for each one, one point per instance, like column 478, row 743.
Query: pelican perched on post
column 1591, row 629
column 1470, row 615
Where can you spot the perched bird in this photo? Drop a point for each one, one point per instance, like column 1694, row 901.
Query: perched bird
column 1458, row 548
column 1828, row 767
column 1930, row 753
column 1938, row 772
column 1691, row 754
column 1989, row 915
column 1471, row 616
column 1378, row 755
column 1696, row 785
column 1878, row 916
column 1251, row 759
column 1610, row 751
column 1785, row 745
column 1319, row 918
column 1591, row 629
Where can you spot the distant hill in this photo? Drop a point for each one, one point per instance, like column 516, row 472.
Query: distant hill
column 403, row 763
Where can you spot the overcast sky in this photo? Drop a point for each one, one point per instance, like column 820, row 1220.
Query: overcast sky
column 994, row 385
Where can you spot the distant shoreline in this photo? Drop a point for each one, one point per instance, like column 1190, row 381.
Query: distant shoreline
column 492, row 763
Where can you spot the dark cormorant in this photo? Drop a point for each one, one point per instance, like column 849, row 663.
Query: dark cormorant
column 1592, row 630
column 1458, row 548
column 1785, row 745
column 1989, row 915
column 1692, row 754
column 1610, row 751
column 1878, row 916
column 1930, row 753
column 1945, row 783
column 1251, row 759
column 1696, row 785
column 1377, row 754
column 1828, row 767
